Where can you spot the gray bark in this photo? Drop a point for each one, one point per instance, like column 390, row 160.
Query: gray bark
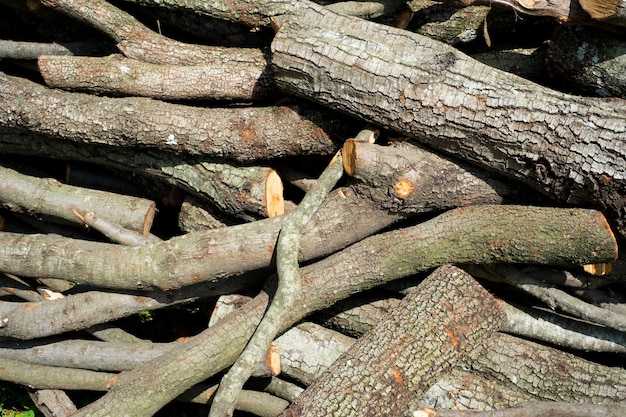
column 566, row 146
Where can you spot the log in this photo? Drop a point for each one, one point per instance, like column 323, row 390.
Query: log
column 242, row 192
column 246, row 80
column 507, row 358
column 344, row 273
column 588, row 61
column 446, row 316
column 241, row 134
column 404, row 177
column 565, row 146
column 533, row 409
column 56, row 201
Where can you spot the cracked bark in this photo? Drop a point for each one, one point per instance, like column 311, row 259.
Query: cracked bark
column 434, row 326
column 568, row 147
column 342, row 274
column 241, row 134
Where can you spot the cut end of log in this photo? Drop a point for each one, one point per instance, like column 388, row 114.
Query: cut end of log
column 601, row 9
column 349, row 156
column 148, row 220
column 273, row 360
column 598, row 269
column 426, row 412
column 403, row 188
column 274, row 195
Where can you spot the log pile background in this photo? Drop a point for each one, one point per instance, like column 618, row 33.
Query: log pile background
column 294, row 208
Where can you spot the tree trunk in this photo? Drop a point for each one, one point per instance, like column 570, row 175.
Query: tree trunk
column 445, row 317
column 568, row 147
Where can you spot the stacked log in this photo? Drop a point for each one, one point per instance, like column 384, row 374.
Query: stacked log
column 448, row 229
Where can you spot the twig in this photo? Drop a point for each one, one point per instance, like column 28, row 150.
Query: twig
column 286, row 294
column 559, row 299
column 114, row 231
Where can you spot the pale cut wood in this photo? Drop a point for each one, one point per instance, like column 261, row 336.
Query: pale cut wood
column 611, row 11
column 568, row 147
column 444, row 318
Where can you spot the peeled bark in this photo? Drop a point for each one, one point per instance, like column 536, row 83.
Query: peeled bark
column 568, row 147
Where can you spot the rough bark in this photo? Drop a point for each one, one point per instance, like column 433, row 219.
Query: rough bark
column 137, row 41
column 246, row 80
column 446, row 316
column 534, row 409
column 342, row 274
column 563, row 376
column 55, row 200
column 253, row 13
column 242, row 134
column 566, row 146
column 588, row 61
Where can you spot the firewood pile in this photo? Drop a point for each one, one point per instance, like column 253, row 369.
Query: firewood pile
column 381, row 208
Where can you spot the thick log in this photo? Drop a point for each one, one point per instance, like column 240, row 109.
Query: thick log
column 114, row 75
column 210, row 255
column 446, row 316
column 241, row 134
column 342, row 274
column 581, row 236
column 507, row 358
column 56, row 201
column 534, row 409
column 566, row 146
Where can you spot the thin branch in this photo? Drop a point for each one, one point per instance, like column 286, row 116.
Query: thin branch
column 286, row 294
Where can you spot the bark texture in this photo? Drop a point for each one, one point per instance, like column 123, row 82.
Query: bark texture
column 448, row 315
column 404, row 177
column 569, row 147
column 242, row 134
column 248, row 79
